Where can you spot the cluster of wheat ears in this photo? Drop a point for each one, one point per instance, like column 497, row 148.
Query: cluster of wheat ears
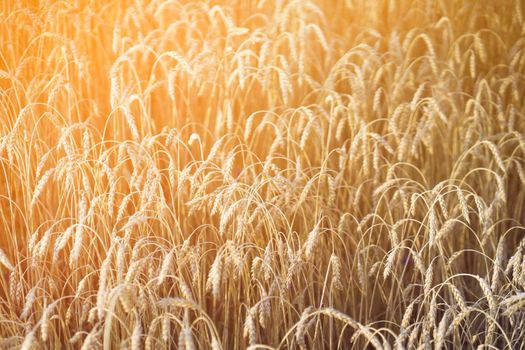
column 262, row 174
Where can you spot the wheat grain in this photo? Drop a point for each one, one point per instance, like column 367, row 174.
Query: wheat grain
column 312, row 241
column 214, row 277
column 137, row 334
column 472, row 65
column 445, row 229
column 29, row 339
column 249, row 327
column 301, row 328
column 165, row 267
column 5, row 261
column 40, row 186
column 177, row 302
column 498, row 264
column 165, row 329
column 429, row 275
column 29, row 301
column 480, row 48
column 76, row 337
column 335, row 263
column 116, row 38
column 44, row 328
column 349, row 321
column 90, row 340
column 126, row 298
column 389, row 263
column 442, row 328
column 407, row 315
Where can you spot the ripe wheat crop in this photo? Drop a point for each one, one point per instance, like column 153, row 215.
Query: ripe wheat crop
column 272, row 174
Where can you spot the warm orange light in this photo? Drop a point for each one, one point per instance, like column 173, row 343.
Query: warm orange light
column 261, row 174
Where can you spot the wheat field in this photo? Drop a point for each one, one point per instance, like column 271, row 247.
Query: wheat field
column 304, row 174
